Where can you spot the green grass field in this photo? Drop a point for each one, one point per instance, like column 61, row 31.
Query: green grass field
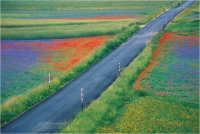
column 48, row 29
column 10, row 6
column 28, row 19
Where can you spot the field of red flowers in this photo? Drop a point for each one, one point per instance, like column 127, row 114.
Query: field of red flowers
column 176, row 74
column 27, row 63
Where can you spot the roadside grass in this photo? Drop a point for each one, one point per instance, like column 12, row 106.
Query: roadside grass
column 102, row 111
column 187, row 21
column 48, row 29
column 13, row 107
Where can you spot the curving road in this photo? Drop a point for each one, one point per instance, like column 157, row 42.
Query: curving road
column 64, row 104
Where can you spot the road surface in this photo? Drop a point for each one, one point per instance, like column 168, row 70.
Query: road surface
column 64, row 104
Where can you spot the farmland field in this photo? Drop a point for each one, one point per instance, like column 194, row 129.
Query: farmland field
column 175, row 72
column 40, row 20
column 26, row 64
column 78, row 9
column 57, row 29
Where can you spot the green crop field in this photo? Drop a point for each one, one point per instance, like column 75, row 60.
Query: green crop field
column 48, row 29
column 30, row 19
column 11, row 6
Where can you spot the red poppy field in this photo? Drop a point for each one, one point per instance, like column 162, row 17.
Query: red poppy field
column 27, row 63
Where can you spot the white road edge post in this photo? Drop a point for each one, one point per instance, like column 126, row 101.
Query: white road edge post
column 146, row 41
column 115, row 38
column 49, row 80
column 82, row 97
column 119, row 68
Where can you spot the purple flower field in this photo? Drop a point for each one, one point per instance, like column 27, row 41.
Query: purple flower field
column 19, row 66
column 182, row 67
column 177, row 74
column 27, row 63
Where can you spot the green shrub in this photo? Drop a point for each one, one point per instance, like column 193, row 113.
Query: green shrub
column 141, row 93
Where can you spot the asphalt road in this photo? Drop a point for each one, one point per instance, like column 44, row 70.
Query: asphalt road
column 63, row 105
